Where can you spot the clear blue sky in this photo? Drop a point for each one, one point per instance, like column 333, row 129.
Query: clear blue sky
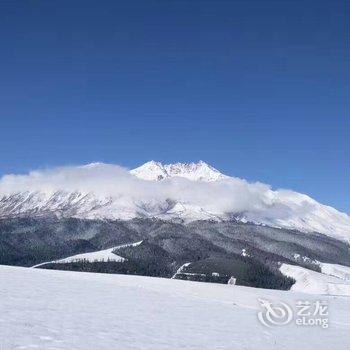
column 259, row 89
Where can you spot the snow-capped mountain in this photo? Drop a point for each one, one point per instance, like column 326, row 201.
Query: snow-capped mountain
column 191, row 191
column 156, row 171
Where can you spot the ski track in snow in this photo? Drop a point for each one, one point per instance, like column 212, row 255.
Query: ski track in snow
column 45, row 309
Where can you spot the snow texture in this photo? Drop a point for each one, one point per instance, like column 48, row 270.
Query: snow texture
column 339, row 271
column 100, row 255
column 200, row 171
column 45, row 309
column 313, row 282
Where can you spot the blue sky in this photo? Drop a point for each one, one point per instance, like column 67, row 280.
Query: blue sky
column 258, row 89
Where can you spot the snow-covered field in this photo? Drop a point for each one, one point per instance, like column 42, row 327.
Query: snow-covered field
column 336, row 270
column 45, row 309
column 331, row 281
column 99, row 255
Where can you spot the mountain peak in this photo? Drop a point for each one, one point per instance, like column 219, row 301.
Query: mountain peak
column 105, row 191
column 200, row 171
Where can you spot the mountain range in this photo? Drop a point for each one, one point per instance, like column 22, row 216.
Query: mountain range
column 181, row 192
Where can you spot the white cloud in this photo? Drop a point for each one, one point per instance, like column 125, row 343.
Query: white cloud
column 257, row 201
column 230, row 194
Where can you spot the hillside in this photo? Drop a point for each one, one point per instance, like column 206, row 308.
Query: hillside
column 70, row 310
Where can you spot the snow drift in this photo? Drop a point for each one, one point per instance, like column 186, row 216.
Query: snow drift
column 44, row 309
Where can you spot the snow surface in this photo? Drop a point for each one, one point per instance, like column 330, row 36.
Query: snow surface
column 180, row 269
column 100, row 255
column 189, row 191
column 339, row 271
column 244, row 252
column 200, row 171
column 313, row 282
column 45, row 309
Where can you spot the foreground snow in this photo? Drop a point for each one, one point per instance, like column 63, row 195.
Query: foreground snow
column 44, row 309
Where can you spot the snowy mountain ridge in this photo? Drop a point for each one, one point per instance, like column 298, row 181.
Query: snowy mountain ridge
column 157, row 171
column 180, row 191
